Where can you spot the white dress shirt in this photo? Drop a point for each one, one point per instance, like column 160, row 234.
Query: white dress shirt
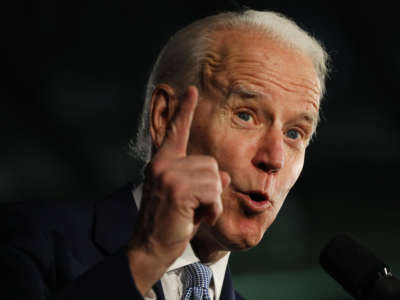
column 171, row 281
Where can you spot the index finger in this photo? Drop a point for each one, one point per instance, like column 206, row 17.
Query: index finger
column 178, row 131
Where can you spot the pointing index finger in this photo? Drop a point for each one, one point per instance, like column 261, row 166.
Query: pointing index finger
column 178, row 132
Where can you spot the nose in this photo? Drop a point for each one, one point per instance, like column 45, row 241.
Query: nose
column 270, row 156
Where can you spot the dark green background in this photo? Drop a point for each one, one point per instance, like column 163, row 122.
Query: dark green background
column 75, row 73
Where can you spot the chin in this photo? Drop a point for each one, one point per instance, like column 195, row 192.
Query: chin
column 238, row 237
column 239, row 243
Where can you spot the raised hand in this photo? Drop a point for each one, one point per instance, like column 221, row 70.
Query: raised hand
column 180, row 191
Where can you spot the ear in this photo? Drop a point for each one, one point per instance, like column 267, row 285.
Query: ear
column 162, row 108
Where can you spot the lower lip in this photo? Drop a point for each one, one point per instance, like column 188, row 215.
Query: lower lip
column 255, row 206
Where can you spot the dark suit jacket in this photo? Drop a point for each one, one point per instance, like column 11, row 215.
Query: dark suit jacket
column 72, row 251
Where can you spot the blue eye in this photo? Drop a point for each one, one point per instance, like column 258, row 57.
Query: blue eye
column 292, row 134
column 244, row 115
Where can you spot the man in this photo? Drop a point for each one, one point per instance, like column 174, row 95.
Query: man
column 231, row 106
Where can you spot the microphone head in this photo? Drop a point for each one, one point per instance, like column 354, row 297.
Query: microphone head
column 355, row 267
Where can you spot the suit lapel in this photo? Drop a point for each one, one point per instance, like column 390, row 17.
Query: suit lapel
column 158, row 290
column 227, row 293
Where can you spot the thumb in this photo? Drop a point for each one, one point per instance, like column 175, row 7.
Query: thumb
column 225, row 179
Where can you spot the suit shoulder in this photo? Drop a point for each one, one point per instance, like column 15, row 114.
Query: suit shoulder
column 68, row 218
column 21, row 217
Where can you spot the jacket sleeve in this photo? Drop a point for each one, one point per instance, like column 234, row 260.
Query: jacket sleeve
column 23, row 277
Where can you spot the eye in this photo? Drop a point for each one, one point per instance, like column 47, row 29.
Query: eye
column 244, row 116
column 293, row 134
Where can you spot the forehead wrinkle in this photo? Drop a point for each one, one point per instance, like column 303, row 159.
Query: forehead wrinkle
column 244, row 68
column 294, row 82
column 228, row 69
column 244, row 90
column 256, row 88
column 212, row 66
column 214, row 61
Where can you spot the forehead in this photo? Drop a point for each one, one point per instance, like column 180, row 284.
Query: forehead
column 252, row 61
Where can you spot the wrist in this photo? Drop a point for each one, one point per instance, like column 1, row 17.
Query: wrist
column 147, row 266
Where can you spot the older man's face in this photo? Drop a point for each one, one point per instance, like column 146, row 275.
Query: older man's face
column 256, row 115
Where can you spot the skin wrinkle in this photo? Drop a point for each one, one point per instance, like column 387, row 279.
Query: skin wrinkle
column 214, row 61
column 245, row 91
column 274, row 77
column 212, row 65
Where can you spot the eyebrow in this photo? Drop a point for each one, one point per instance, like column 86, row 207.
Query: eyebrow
column 245, row 91
column 311, row 119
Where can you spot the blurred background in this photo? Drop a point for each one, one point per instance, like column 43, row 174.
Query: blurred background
column 74, row 74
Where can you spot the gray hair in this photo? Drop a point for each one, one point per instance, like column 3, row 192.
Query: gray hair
column 181, row 60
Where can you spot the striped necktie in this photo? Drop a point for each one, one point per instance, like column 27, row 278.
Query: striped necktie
column 196, row 280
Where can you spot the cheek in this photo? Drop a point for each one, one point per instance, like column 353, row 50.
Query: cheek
column 234, row 152
column 208, row 135
column 291, row 174
column 297, row 168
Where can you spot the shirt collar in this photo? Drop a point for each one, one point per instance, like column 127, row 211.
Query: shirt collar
column 218, row 268
column 137, row 195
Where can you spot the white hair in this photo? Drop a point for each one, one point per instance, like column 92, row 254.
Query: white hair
column 181, row 61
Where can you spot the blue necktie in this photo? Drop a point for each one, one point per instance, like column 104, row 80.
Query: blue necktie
column 196, row 280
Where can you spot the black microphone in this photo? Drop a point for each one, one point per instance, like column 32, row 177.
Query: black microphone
column 358, row 270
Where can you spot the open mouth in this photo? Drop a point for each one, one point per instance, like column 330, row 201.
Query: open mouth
column 255, row 202
column 257, row 197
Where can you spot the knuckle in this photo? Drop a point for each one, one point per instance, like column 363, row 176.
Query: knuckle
column 218, row 208
column 215, row 178
column 172, row 184
column 219, row 187
column 214, row 190
column 167, row 178
column 211, row 162
column 154, row 168
column 213, row 184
